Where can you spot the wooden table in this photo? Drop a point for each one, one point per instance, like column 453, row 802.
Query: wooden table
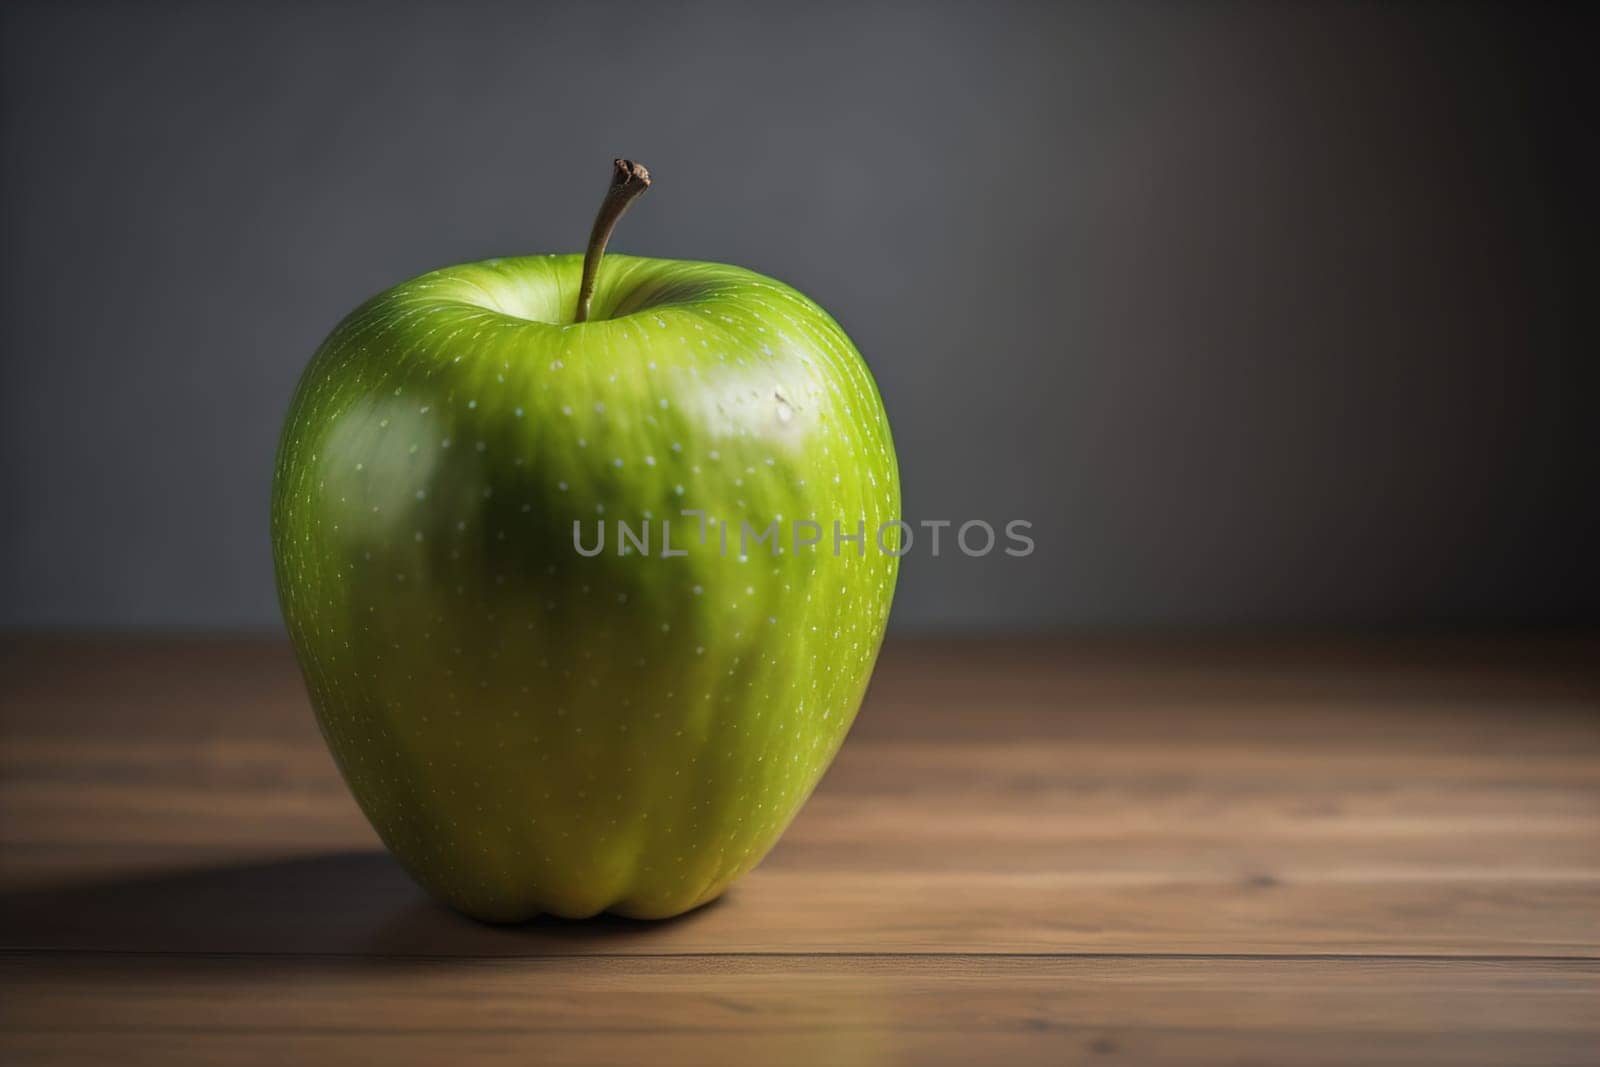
column 1028, row 851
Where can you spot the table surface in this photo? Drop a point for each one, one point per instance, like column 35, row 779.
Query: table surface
column 1043, row 850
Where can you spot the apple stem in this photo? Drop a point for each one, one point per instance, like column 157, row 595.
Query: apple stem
column 628, row 181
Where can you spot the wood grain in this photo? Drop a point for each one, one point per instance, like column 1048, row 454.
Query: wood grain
column 1039, row 850
column 808, row 1009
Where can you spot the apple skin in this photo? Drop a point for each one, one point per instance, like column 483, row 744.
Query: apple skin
column 530, row 730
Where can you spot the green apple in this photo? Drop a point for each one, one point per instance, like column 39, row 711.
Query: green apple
column 531, row 726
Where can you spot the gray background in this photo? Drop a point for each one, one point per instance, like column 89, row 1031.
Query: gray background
column 1264, row 315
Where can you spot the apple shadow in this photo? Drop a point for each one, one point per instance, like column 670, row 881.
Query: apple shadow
column 359, row 904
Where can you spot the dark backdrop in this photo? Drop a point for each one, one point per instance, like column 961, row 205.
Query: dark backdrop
column 1263, row 314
